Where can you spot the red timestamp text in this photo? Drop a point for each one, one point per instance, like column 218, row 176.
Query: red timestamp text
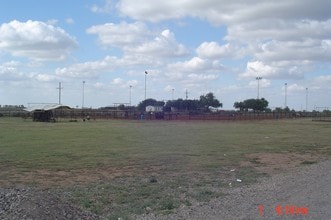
column 287, row 210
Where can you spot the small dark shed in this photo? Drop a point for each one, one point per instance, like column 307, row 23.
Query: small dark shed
column 44, row 112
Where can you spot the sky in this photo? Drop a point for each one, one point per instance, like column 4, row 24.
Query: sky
column 99, row 51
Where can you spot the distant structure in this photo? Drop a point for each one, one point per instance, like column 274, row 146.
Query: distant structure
column 44, row 112
column 151, row 108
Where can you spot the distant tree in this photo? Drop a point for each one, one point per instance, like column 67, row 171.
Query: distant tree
column 121, row 107
column 184, row 105
column 253, row 104
column 268, row 110
column 141, row 106
column 281, row 110
column 239, row 105
column 260, row 105
column 209, row 100
column 278, row 110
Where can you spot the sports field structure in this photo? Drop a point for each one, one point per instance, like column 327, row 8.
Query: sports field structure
column 121, row 168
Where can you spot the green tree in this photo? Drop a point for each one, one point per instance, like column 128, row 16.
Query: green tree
column 253, row 104
column 141, row 106
column 260, row 105
column 121, row 107
column 183, row 105
column 209, row 100
column 239, row 105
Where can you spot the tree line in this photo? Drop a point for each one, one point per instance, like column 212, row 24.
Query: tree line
column 201, row 104
column 204, row 103
column 256, row 105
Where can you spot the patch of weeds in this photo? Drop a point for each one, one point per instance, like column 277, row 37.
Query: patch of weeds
column 308, row 162
column 187, row 202
column 86, row 203
column 255, row 160
column 119, row 214
column 89, row 202
column 153, row 179
column 125, row 197
column 167, row 204
column 249, row 175
column 206, row 195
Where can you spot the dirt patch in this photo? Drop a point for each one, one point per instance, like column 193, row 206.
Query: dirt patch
column 50, row 178
column 271, row 163
column 268, row 163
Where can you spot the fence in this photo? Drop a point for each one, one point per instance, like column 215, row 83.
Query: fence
column 133, row 114
column 322, row 116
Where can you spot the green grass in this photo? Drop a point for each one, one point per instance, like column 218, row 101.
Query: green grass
column 30, row 145
column 188, row 155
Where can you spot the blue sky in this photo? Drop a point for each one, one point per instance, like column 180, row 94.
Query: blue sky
column 214, row 46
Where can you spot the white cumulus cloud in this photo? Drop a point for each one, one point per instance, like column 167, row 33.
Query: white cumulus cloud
column 120, row 35
column 213, row 50
column 91, row 69
column 164, row 45
column 35, row 40
column 223, row 11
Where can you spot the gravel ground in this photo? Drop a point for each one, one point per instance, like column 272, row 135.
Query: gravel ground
column 305, row 188
column 31, row 203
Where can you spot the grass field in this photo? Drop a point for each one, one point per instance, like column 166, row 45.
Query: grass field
column 118, row 168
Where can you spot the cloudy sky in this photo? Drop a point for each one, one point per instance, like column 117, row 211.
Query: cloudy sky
column 217, row 46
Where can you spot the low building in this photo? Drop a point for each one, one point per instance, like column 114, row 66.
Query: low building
column 151, row 108
column 44, row 112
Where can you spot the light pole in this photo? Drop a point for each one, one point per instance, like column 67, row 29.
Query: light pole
column 145, row 88
column 60, row 88
column 83, row 97
column 172, row 95
column 306, row 99
column 258, row 86
column 130, row 95
column 285, row 95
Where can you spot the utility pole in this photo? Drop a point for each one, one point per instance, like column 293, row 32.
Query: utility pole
column 59, row 88
column 186, row 94
column 172, row 94
column 130, row 96
column 145, row 88
column 258, row 86
column 83, row 98
column 306, row 99
column 285, row 95
column 145, row 82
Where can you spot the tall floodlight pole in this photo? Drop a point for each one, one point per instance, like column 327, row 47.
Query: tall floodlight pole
column 130, row 95
column 258, row 86
column 60, row 88
column 285, row 95
column 306, row 99
column 145, row 88
column 83, row 99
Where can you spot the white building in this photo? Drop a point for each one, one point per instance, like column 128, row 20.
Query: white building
column 151, row 108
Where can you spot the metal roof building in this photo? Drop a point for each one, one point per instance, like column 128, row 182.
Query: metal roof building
column 44, row 112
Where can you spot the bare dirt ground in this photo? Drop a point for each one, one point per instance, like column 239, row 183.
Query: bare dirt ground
column 269, row 163
column 301, row 193
column 297, row 181
column 273, row 163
